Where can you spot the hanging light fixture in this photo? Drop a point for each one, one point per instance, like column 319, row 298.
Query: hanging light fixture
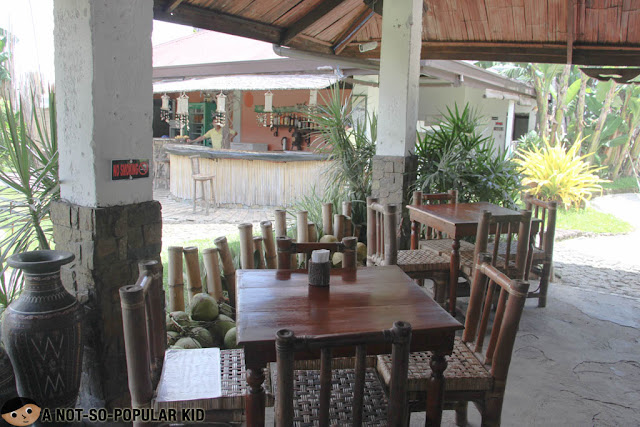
column 182, row 111
column 165, row 109
column 268, row 102
column 221, row 102
column 313, row 97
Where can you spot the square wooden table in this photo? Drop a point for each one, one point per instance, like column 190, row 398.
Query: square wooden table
column 457, row 220
column 369, row 300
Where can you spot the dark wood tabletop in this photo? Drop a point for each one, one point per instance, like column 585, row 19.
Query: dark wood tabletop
column 458, row 219
column 269, row 300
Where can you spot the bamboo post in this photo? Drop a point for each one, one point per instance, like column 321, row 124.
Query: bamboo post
column 246, row 245
column 212, row 266
column 227, row 267
column 346, row 211
column 372, row 247
column 303, row 232
column 269, row 244
column 193, row 271
column 281, row 223
column 257, row 247
column 313, row 232
column 156, row 322
column 176, row 280
column 327, row 215
column 349, row 260
column 338, row 226
column 136, row 345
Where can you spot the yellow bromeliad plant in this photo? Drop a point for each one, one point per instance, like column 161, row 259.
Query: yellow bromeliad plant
column 555, row 173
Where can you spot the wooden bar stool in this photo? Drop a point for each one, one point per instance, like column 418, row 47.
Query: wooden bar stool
column 201, row 178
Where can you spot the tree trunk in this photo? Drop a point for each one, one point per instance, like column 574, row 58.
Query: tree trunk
column 542, row 99
column 228, row 109
column 563, row 85
column 581, row 103
column 595, row 138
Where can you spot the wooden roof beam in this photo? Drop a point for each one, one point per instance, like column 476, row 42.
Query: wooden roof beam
column 353, row 30
column 216, row 21
column 173, row 6
column 324, row 8
column 572, row 13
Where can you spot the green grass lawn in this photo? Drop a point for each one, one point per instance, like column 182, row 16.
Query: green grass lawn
column 626, row 184
column 591, row 220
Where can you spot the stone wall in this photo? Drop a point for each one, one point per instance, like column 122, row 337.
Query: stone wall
column 108, row 244
column 392, row 178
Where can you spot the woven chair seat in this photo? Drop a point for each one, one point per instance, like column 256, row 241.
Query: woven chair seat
column 306, row 394
column 538, row 254
column 443, row 246
column 201, row 177
column 422, row 260
column 464, row 371
column 233, row 384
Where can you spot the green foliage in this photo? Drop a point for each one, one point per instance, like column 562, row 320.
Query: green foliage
column 4, row 57
column 454, row 155
column 555, row 173
column 351, row 145
column 529, row 141
column 30, row 183
column 626, row 184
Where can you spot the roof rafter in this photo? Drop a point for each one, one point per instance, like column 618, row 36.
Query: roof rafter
column 324, row 8
column 353, row 30
column 216, row 21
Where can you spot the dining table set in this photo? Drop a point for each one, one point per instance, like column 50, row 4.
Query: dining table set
column 369, row 299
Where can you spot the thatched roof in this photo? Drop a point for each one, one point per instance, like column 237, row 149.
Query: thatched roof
column 592, row 32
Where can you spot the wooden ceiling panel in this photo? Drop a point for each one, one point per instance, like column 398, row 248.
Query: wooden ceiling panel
column 294, row 14
column 333, row 31
column 336, row 16
column 280, row 8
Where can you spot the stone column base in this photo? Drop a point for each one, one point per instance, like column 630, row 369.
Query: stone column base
column 392, row 178
column 108, row 244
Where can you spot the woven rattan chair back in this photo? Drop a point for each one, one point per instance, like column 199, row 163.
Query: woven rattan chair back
column 487, row 280
column 498, row 236
column 195, row 165
column 434, row 199
column 287, row 247
column 542, row 244
column 382, row 221
column 287, row 344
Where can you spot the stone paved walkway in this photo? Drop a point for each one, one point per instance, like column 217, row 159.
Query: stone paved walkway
column 607, row 264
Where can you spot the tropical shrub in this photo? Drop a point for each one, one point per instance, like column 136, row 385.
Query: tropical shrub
column 351, row 145
column 555, row 173
column 29, row 183
column 455, row 155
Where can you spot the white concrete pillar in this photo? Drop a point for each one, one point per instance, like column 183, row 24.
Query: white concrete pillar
column 104, row 94
column 508, row 145
column 399, row 75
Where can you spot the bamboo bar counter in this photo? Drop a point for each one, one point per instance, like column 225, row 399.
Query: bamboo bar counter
column 248, row 178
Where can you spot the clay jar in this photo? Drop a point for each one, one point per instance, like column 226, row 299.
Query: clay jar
column 42, row 332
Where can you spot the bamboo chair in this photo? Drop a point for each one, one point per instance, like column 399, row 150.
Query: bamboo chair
column 143, row 319
column 382, row 249
column 470, row 376
column 540, row 257
column 197, row 177
column 506, row 240
column 287, row 248
column 338, row 397
column 434, row 240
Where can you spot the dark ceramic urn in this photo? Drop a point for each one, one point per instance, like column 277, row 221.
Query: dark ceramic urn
column 7, row 379
column 42, row 332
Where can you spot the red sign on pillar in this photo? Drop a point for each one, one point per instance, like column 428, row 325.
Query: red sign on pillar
column 129, row 169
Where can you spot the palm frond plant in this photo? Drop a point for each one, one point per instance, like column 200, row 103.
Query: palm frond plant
column 559, row 174
column 454, row 155
column 350, row 146
column 29, row 182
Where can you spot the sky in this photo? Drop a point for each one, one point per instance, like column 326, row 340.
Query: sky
column 31, row 21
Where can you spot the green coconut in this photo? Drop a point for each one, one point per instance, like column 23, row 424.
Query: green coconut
column 202, row 336
column 336, row 260
column 361, row 252
column 172, row 337
column 328, row 238
column 230, row 339
column 204, row 308
column 188, row 343
column 220, row 328
column 179, row 317
column 176, row 347
column 225, row 317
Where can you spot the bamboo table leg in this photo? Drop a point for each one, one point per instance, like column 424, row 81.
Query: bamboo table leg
column 255, row 398
column 435, row 390
column 454, row 271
